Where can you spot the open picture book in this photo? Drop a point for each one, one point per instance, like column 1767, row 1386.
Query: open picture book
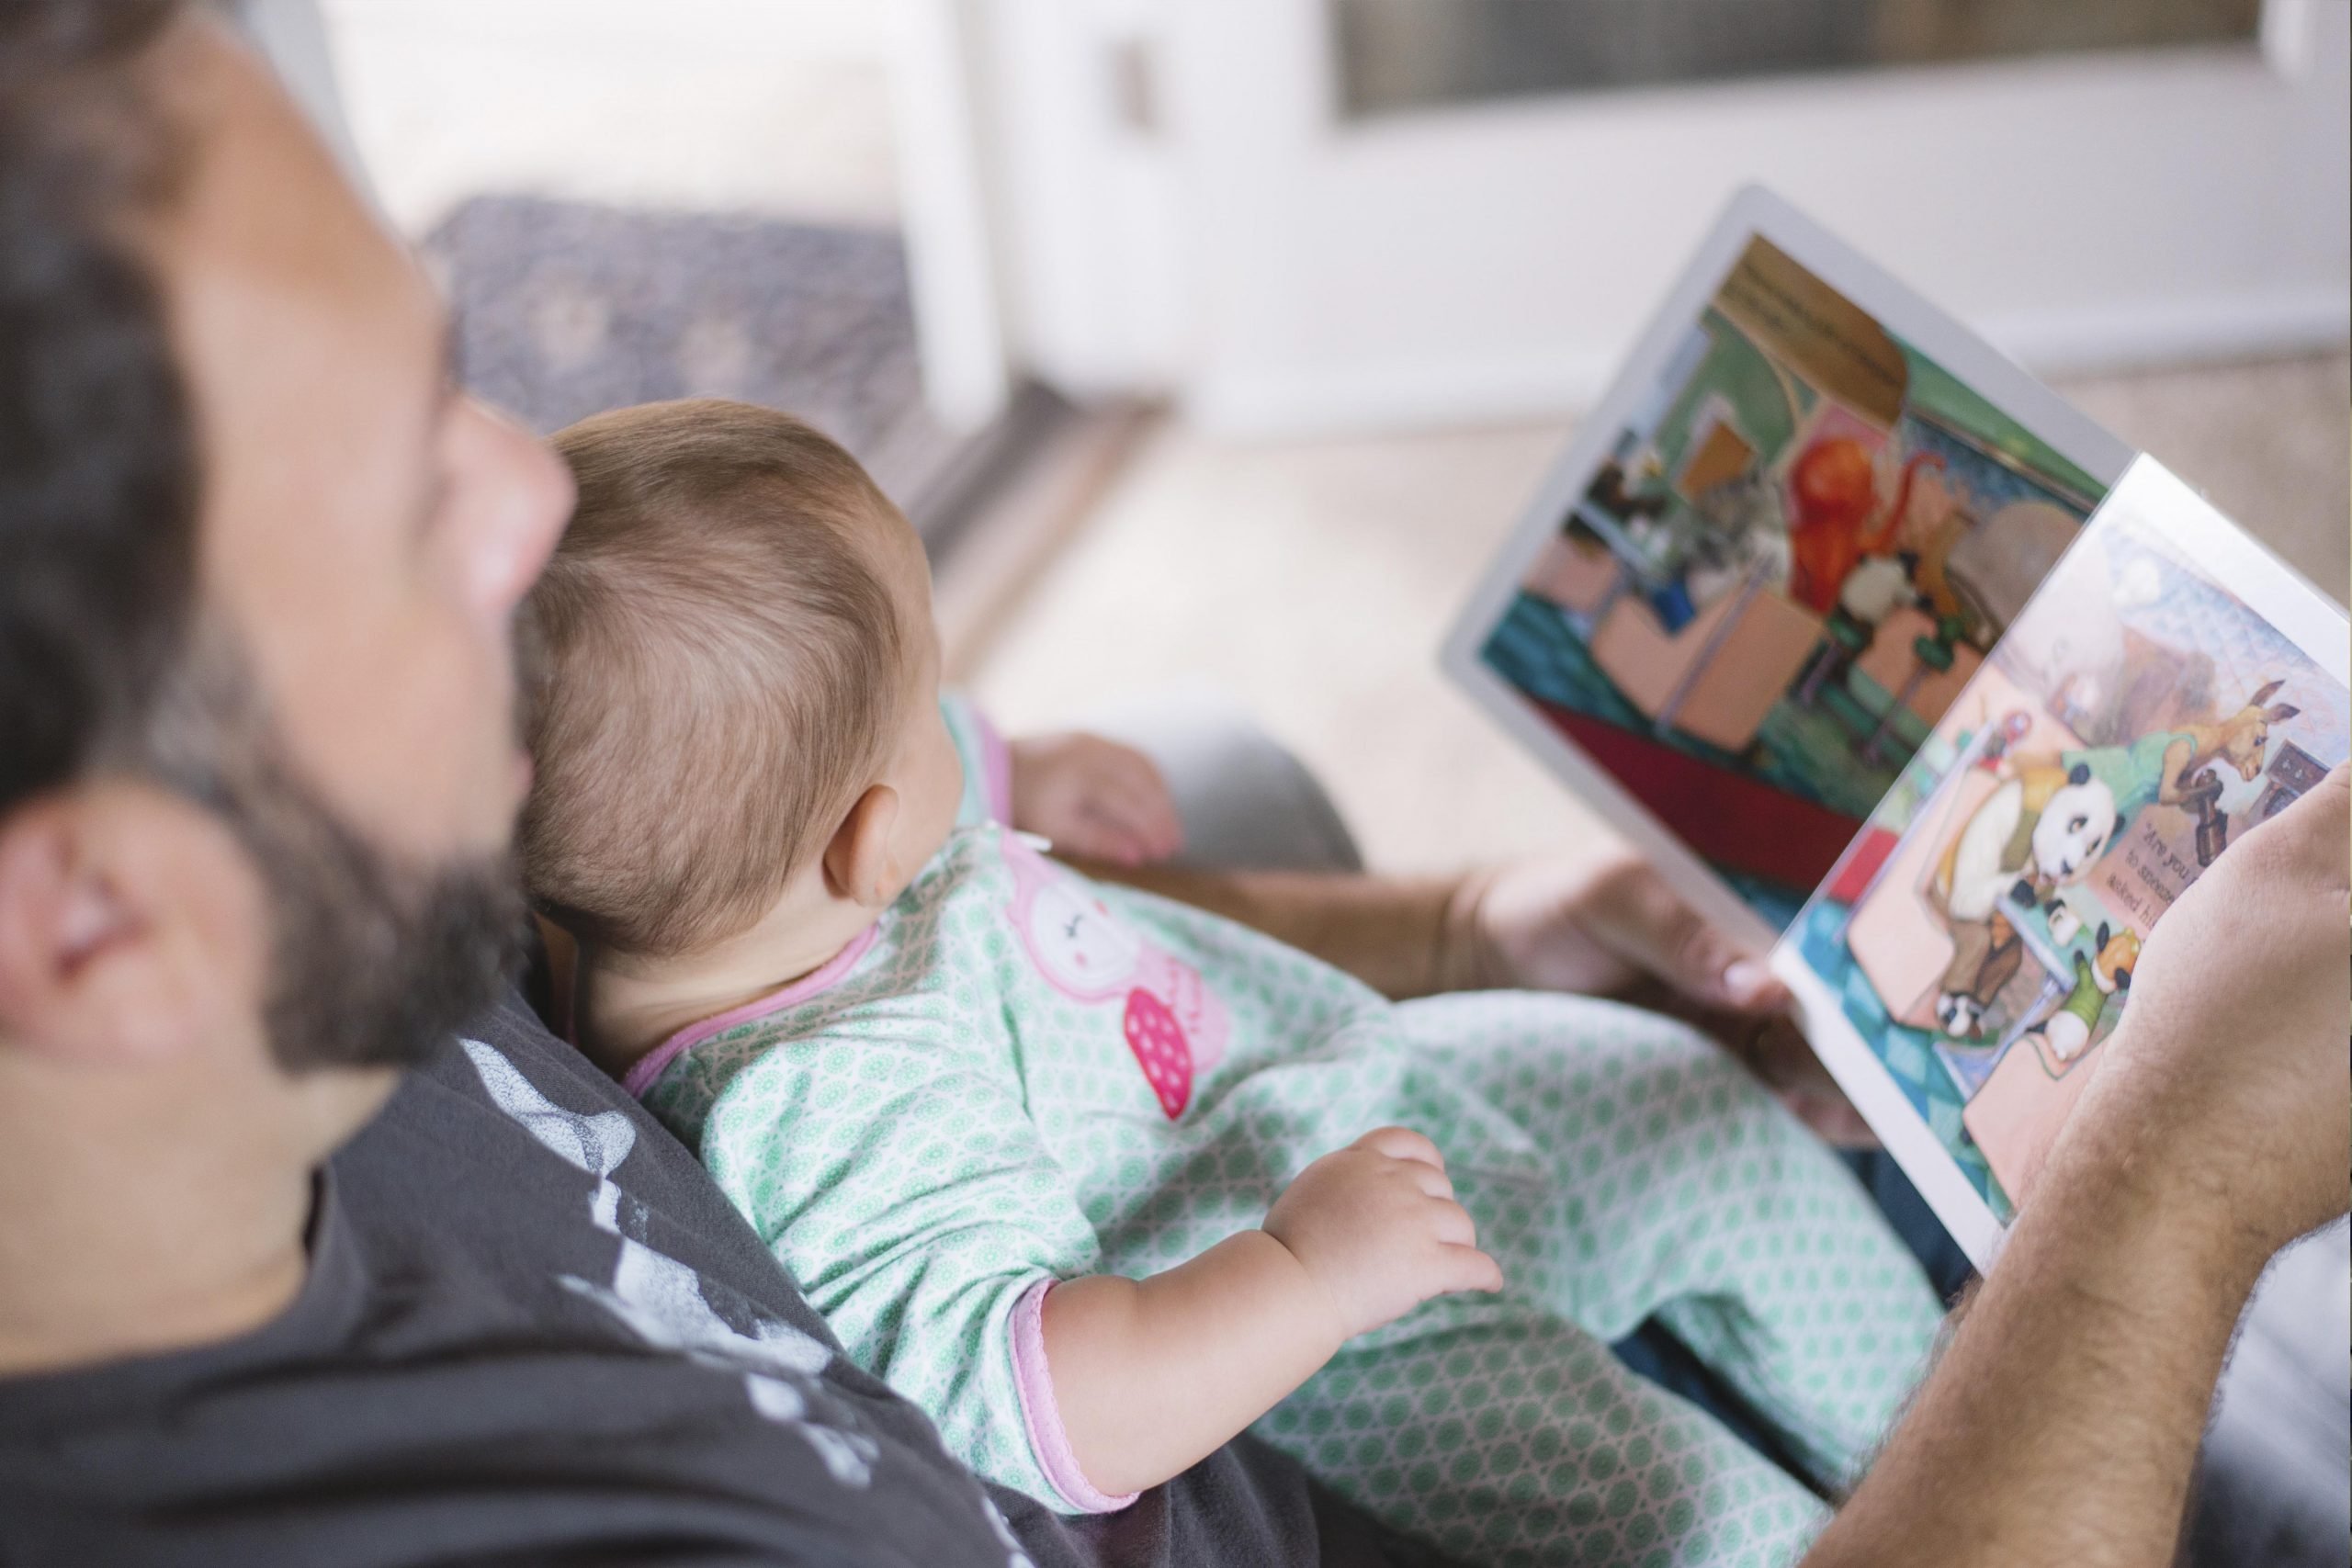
column 1903, row 669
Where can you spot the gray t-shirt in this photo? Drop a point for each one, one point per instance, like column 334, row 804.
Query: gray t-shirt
column 533, row 1332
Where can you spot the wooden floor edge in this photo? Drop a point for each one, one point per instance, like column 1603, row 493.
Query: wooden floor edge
column 1000, row 555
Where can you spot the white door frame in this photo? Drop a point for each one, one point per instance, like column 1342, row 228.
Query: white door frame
column 945, row 192
column 1293, row 271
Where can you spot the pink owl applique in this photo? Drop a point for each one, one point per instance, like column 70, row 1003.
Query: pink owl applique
column 1171, row 1021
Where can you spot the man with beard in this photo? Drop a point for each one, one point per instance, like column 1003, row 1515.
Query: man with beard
column 286, row 1275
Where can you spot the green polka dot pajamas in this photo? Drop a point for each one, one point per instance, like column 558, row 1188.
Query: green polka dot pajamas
column 1019, row 1076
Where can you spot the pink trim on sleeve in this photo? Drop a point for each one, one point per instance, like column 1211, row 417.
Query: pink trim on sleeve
column 996, row 766
column 650, row 1067
column 1039, row 1414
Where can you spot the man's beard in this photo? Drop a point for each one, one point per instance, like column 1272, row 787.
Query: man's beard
column 373, row 962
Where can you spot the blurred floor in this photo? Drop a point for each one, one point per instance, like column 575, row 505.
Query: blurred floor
column 1313, row 580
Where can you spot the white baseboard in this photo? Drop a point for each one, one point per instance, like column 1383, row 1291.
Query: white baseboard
column 1346, row 399
column 2128, row 334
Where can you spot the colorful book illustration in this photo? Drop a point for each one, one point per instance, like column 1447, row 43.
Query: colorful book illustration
column 1893, row 662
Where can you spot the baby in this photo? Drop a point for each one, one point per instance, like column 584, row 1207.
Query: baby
column 1101, row 1181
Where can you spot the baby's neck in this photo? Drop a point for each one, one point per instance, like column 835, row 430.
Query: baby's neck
column 624, row 1004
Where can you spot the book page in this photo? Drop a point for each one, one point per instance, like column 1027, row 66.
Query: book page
column 1776, row 554
column 2169, row 687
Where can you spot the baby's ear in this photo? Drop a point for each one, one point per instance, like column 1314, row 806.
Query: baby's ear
column 857, row 858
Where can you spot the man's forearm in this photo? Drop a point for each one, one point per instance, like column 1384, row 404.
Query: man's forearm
column 1398, row 935
column 2062, row 1421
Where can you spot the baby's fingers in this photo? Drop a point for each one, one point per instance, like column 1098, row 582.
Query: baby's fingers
column 1449, row 1223
column 1098, row 835
column 1467, row 1269
column 1115, row 821
column 1401, row 1142
column 1149, row 804
column 1129, row 792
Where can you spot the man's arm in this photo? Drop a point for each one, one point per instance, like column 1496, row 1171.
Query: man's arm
column 1601, row 923
column 2062, row 1422
column 1597, row 922
column 2060, row 1425
column 1399, row 935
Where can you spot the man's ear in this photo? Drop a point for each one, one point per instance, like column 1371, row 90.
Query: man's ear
column 858, row 859
column 131, row 927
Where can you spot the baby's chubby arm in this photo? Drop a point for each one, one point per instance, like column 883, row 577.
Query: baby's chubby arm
column 1152, row 1375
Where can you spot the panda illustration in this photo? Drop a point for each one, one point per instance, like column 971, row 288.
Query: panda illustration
column 2044, row 827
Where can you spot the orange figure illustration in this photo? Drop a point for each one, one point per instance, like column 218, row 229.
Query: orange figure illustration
column 1835, row 491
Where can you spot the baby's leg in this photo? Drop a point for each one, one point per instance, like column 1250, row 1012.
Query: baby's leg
column 1686, row 1190
column 1526, row 1442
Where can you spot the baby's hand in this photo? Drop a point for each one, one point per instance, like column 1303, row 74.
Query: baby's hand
column 1376, row 1225
column 1094, row 798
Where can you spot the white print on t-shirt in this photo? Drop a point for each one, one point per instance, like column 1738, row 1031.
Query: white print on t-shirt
column 663, row 1301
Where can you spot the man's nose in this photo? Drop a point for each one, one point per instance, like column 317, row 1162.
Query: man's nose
column 528, row 500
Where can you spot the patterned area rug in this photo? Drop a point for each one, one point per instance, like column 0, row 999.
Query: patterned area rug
column 565, row 309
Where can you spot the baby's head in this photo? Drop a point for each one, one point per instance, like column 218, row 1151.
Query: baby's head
column 736, row 720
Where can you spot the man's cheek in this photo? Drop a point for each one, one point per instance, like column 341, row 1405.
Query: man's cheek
column 464, row 734
column 228, row 934
column 427, row 766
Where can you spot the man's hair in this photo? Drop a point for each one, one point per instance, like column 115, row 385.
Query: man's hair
column 97, row 457
column 719, row 670
column 107, row 660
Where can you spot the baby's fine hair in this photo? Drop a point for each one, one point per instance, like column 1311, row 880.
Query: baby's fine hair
column 716, row 670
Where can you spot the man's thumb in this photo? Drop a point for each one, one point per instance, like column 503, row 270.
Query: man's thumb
column 1705, row 966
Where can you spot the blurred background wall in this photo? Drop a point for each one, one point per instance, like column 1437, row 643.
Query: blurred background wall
column 1221, row 341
